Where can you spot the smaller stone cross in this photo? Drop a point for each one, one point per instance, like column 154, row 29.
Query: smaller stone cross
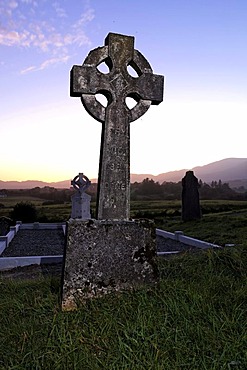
column 147, row 88
column 81, row 200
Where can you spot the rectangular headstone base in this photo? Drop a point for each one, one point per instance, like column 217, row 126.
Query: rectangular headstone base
column 107, row 256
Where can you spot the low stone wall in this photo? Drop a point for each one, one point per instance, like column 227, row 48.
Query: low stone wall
column 167, row 243
column 6, row 239
column 18, row 257
column 9, row 263
column 179, row 236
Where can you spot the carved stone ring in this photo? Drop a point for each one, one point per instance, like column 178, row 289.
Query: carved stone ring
column 118, row 83
column 81, row 183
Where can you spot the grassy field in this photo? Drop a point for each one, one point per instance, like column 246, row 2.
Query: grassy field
column 194, row 319
column 51, row 213
column 223, row 221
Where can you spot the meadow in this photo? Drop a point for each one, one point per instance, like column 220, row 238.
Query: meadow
column 194, row 318
column 223, row 221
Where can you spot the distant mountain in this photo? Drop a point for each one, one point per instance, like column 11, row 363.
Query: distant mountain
column 226, row 170
column 230, row 170
column 30, row 184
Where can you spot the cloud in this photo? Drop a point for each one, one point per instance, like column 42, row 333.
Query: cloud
column 44, row 27
column 29, row 2
column 14, row 38
column 45, row 64
column 52, row 61
column 13, row 4
column 29, row 69
column 61, row 13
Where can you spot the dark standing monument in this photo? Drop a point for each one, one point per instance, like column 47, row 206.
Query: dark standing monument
column 190, row 197
column 112, row 253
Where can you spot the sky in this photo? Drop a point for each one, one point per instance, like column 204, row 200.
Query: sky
column 198, row 45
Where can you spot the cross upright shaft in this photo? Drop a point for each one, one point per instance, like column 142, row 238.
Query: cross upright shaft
column 86, row 81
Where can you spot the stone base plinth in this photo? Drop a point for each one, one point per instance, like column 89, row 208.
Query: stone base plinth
column 107, row 256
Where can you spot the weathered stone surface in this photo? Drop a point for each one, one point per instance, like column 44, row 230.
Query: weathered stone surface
column 111, row 254
column 86, row 81
column 81, row 206
column 190, row 197
column 107, row 256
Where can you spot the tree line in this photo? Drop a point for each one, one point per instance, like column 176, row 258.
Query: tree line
column 148, row 189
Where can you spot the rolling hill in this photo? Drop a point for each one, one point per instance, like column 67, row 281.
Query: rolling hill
column 226, row 170
column 230, row 170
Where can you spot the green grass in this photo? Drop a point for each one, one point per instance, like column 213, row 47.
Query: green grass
column 218, row 228
column 195, row 318
column 11, row 201
column 55, row 213
column 160, row 211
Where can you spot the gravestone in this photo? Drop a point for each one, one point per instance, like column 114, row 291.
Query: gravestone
column 112, row 253
column 86, row 81
column 190, row 197
column 81, row 200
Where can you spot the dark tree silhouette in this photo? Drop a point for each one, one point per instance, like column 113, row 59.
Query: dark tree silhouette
column 25, row 212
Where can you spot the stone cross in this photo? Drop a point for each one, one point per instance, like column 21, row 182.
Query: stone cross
column 86, row 81
column 81, row 183
column 81, row 200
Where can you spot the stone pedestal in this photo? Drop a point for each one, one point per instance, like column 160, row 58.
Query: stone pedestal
column 81, row 206
column 104, row 256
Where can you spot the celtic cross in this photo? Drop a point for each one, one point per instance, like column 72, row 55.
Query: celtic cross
column 80, row 183
column 116, row 85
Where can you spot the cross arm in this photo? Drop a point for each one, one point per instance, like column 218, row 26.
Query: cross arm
column 150, row 86
column 86, row 80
